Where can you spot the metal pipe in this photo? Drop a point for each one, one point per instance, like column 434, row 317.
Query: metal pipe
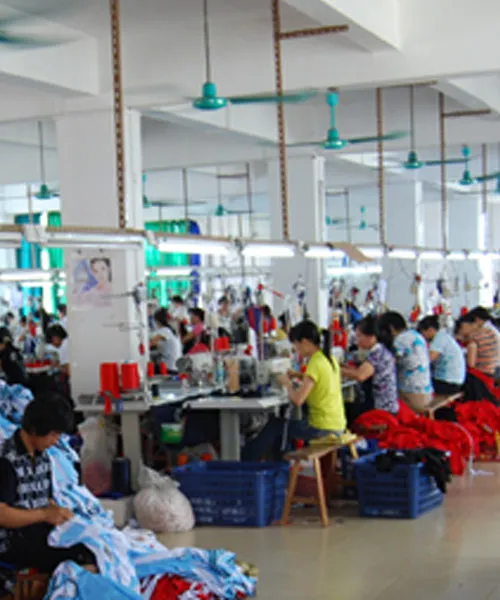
column 348, row 215
column 313, row 31
column 185, row 189
column 249, row 198
column 467, row 113
column 381, row 173
column 484, row 201
column 444, row 190
column 42, row 154
column 206, row 39
column 118, row 109
column 280, row 115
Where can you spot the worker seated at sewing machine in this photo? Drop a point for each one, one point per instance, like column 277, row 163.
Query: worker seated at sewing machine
column 376, row 374
column 320, row 391
column 165, row 341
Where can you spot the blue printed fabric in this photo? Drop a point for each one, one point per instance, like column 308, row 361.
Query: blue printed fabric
column 449, row 366
column 13, row 400
column 413, row 363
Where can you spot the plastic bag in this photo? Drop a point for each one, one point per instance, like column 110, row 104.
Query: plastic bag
column 160, row 506
column 97, row 453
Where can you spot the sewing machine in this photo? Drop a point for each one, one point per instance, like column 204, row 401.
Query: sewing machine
column 255, row 375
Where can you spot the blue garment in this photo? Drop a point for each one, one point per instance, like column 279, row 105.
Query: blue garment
column 384, row 383
column 449, row 366
column 413, row 363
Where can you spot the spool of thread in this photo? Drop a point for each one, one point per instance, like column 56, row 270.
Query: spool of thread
column 163, row 369
column 151, row 369
column 130, row 376
column 120, row 476
column 109, row 379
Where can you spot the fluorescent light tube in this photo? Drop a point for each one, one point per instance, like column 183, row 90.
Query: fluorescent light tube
column 256, row 250
column 25, row 275
column 431, row 255
column 194, row 246
column 456, row 256
column 403, row 254
column 372, row 252
column 320, row 251
column 66, row 239
column 359, row 270
column 476, row 255
column 171, row 272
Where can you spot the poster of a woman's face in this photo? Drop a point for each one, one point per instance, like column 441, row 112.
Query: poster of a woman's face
column 92, row 281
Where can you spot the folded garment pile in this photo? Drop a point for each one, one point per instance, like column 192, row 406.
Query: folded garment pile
column 129, row 566
column 408, row 431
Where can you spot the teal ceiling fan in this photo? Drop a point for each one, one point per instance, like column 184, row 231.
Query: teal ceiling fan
column 44, row 193
column 413, row 161
column 210, row 99
column 333, row 140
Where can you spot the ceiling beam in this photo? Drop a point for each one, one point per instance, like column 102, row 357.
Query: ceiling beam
column 372, row 29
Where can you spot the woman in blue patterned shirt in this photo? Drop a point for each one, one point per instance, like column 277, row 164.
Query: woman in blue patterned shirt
column 377, row 373
column 412, row 360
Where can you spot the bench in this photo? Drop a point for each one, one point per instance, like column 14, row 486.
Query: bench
column 315, row 452
column 440, row 401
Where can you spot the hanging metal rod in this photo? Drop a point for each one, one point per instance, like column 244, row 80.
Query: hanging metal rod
column 314, row 31
column 232, row 176
column 467, row 113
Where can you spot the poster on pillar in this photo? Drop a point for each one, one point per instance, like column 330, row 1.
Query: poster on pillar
column 91, row 283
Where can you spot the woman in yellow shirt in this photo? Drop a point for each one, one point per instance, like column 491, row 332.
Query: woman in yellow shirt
column 320, row 391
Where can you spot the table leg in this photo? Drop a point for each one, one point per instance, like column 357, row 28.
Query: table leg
column 132, row 446
column 229, row 434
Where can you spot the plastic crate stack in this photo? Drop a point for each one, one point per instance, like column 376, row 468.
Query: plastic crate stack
column 406, row 492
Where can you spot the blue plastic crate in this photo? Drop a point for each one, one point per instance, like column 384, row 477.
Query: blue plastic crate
column 406, row 492
column 243, row 494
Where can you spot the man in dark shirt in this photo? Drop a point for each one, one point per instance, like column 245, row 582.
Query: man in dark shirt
column 27, row 510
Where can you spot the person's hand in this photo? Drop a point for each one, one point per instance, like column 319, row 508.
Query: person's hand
column 56, row 515
column 283, row 379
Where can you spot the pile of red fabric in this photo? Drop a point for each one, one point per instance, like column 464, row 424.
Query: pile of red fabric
column 408, row 431
column 482, row 421
column 172, row 587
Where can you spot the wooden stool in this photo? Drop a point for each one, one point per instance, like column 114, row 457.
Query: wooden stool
column 314, row 453
column 440, row 401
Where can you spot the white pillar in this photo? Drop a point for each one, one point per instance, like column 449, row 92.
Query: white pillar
column 306, row 190
column 87, row 167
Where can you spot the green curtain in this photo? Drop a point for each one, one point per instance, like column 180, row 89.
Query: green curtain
column 163, row 289
column 28, row 257
column 56, row 261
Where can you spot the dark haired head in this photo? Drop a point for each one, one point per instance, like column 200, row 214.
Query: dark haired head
column 198, row 312
column 99, row 259
column 430, row 322
column 223, row 300
column 5, row 336
column 368, row 326
column 393, row 321
column 177, row 300
column 480, row 313
column 62, row 309
column 48, row 413
column 161, row 317
column 23, row 320
column 266, row 311
column 468, row 318
column 55, row 331
column 306, row 330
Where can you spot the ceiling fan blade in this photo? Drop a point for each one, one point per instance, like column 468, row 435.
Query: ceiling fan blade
column 286, row 97
column 448, row 161
column 304, row 144
column 27, row 42
column 488, row 177
column 395, row 135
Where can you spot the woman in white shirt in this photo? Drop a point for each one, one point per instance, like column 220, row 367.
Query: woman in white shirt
column 165, row 340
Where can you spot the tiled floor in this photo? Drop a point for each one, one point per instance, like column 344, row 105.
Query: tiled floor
column 450, row 554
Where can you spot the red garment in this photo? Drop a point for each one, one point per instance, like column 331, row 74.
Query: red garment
column 409, row 431
column 171, row 587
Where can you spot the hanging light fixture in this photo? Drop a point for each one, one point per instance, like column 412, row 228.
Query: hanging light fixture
column 194, row 245
column 268, row 250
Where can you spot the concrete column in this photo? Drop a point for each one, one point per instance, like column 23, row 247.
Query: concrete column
column 89, row 197
column 306, row 189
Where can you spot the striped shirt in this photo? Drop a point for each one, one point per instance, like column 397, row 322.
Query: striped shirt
column 487, row 350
